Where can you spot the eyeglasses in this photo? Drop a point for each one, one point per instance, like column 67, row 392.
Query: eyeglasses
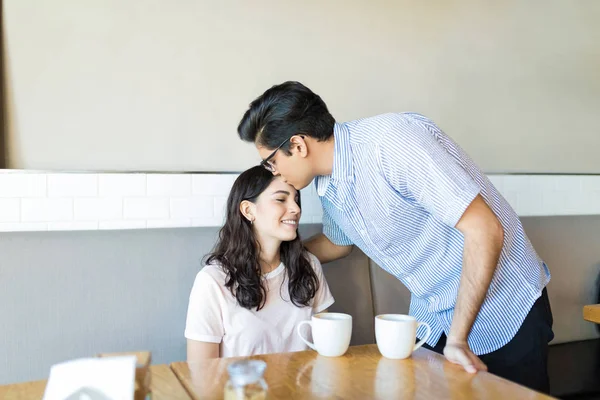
column 267, row 163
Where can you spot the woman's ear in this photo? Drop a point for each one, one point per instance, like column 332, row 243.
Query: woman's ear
column 247, row 208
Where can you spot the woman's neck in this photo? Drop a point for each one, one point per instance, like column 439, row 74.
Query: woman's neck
column 270, row 255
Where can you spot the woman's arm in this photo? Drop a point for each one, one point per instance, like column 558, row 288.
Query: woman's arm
column 198, row 351
column 323, row 298
column 204, row 323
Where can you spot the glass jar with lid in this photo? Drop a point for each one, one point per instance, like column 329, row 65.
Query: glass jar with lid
column 246, row 381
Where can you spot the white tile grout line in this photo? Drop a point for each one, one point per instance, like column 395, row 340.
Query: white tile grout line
column 530, row 195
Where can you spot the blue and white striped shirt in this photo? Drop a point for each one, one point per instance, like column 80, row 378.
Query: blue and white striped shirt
column 398, row 187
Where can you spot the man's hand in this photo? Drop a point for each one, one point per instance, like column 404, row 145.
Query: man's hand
column 461, row 354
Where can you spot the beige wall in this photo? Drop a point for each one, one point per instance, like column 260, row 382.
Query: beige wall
column 148, row 85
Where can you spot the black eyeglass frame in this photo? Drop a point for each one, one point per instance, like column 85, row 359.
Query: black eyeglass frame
column 266, row 163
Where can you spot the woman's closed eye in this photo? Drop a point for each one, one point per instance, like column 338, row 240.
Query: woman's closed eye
column 281, row 196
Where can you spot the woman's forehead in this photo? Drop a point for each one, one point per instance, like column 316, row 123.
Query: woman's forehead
column 277, row 184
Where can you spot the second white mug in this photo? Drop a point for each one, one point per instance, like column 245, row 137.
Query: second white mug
column 396, row 335
column 331, row 333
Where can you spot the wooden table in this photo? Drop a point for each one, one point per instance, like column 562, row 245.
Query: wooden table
column 592, row 313
column 362, row 373
column 164, row 386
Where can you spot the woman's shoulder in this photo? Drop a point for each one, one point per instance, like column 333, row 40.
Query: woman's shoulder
column 314, row 261
column 209, row 284
column 212, row 272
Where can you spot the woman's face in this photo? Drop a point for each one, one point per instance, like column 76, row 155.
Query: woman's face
column 276, row 211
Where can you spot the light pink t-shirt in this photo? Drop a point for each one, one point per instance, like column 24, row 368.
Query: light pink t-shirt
column 214, row 315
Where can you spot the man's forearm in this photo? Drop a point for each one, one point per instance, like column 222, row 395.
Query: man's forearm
column 483, row 241
column 479, row 264
column 325, row 250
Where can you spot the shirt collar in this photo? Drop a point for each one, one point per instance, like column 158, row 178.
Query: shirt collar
column 342, row 160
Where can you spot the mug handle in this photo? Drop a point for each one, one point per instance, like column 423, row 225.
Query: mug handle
column 426, row 325
column 309, row 344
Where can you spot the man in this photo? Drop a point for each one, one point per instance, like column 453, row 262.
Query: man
column 412, row 200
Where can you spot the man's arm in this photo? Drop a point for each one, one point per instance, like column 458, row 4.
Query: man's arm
column 431, row 176
column 483, row 241
column 325, row 250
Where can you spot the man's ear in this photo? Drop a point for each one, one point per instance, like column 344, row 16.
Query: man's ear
column 299, row 145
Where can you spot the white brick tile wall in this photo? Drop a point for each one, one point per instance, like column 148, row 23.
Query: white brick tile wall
column 192, row 207
column 555, row 200
column 212, row 184
column 121, row 185
column 311, row 188
column 498, row 182
column 22, row 185
column 72, row 185
column 220, row 206
column 10, row 210
column 169, row 184
column 23, row 226
column 567, row 183
column 311, row 205
column 169, row 223
column 96, row 209
column 208, row 221
column 122, row 224
column 532, row 199
column 38, row 210
column 590, row 184
column 590, row 192
column 315, row 220
column 513, row 185
column 146, row 208
column 80, row 201
column 73, row 226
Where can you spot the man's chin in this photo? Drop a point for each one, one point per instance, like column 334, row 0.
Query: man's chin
column 300, row 186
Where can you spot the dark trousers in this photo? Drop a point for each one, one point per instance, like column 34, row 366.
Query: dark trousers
column 524, row 359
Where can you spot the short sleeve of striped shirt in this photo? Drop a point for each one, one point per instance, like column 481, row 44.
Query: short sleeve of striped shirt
column 334, row 232
column 419, row 167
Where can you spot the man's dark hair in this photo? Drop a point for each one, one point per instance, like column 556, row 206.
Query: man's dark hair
column 283, row 111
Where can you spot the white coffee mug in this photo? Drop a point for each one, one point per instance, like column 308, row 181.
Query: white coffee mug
column 396, row 334
column 331, row 333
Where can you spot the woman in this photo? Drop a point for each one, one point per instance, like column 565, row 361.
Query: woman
column 260, row 282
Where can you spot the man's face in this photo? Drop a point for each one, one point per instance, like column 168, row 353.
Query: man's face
column 295, row 169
